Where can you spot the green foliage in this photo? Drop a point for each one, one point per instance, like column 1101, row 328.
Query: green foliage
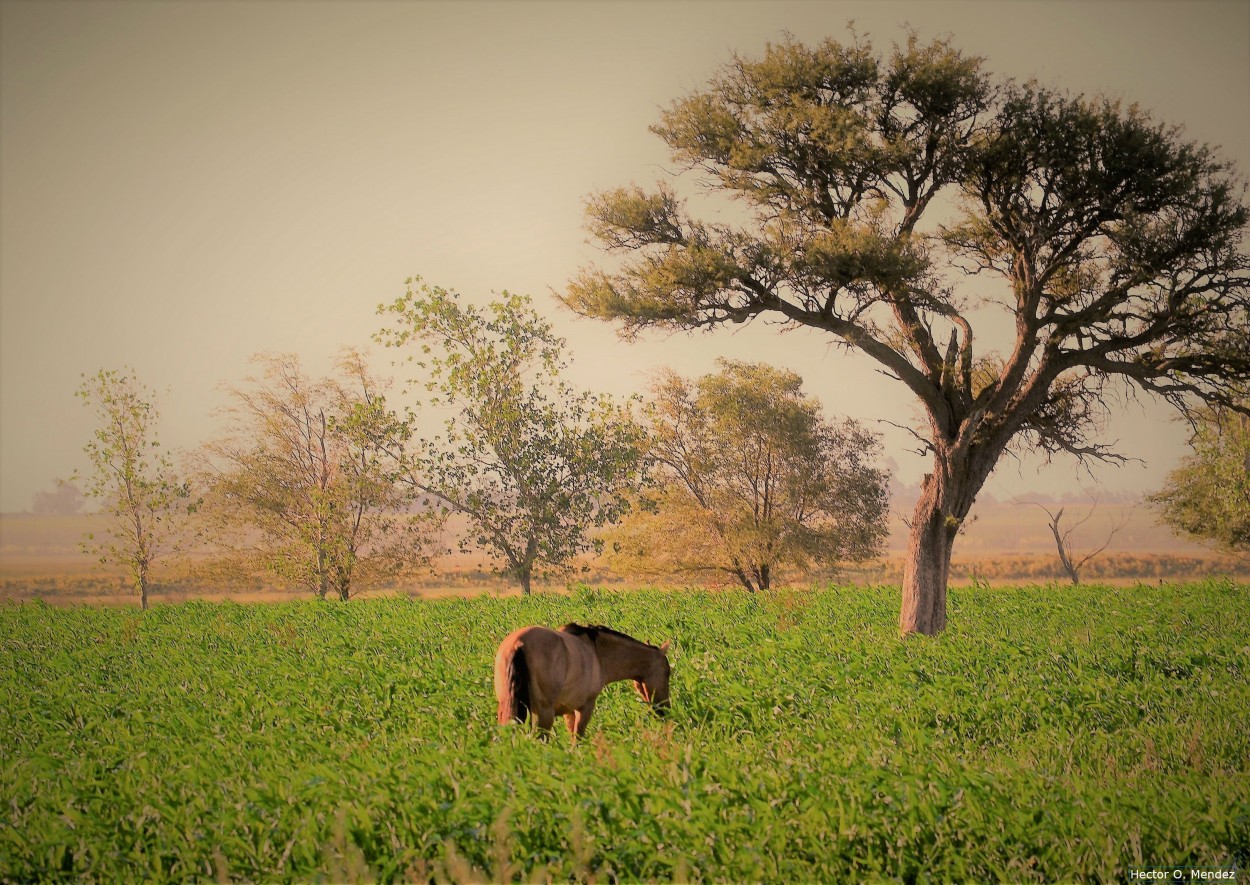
column 1208, row 495
column 1119, row 243
column 298, row 486
column 131, row 477
column 1115, row 246
column 752, row 480
column 533, row 463
column 1052, row 734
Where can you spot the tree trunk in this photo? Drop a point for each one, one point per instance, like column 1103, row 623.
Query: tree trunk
column 321, row 577
column 945, row 499
column 925, row 572
column 344, row 566
column 524, row 578
column 1064, row 558
column 140, row 575
column 740, row 573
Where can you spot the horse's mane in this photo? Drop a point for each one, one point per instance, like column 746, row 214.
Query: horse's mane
column 593, row 633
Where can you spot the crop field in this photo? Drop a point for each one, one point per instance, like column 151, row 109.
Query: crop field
column 1051, row 734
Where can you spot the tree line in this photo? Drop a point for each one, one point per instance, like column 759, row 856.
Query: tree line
column 330, row 485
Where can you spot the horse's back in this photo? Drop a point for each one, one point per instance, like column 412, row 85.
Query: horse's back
column 563, row 672
column 545, row 649
column 540, row 640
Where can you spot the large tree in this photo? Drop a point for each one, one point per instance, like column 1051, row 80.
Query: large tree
column 751, row 479
column 870, row 184
column 532, row 463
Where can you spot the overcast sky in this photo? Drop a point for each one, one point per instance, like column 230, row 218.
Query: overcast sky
column 183, row 185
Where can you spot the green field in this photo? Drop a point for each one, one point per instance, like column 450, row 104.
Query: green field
column 1051, row 734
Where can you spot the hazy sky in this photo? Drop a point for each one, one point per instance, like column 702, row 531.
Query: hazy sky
column 185, row 184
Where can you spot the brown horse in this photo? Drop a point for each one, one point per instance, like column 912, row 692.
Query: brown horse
column 546, row 672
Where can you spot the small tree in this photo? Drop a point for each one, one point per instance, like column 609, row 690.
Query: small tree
column 298, row 483
column 1208, row 495
column 752, row 479
column 532, row 463
column 1116, row 245
column 131, row 476
column 1072, row 561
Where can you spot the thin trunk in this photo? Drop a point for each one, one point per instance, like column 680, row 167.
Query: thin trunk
column 740, row 573
column 322, row 570
column 344, row 569
column 524, row 567
column 142, row 541
column 1063, row 549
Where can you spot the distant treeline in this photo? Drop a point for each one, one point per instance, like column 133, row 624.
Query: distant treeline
column 177, row 585
column 1108, row 566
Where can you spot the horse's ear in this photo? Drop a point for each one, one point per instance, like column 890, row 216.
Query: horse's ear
column 664, row 647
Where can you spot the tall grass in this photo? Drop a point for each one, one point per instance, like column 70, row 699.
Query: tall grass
column 1051, row 734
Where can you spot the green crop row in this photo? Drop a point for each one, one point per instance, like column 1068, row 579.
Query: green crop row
column 1051, row 734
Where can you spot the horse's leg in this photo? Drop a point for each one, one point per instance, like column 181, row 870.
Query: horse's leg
column 544, row 716
column 579, row 720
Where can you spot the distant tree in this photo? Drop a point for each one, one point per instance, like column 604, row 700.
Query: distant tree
column 131, row 477
column 64, row 500
column 532, row 463
column 1116, row 243
column 751, row 479
column 297, row 486
column 1208, row 495
column 1071, row 560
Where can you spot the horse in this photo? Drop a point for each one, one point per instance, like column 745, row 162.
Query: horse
column 544, row 672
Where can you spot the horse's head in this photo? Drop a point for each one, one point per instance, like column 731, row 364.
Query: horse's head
column 653, row 684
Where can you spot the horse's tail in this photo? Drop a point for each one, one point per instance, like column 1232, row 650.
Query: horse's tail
column 514, row 699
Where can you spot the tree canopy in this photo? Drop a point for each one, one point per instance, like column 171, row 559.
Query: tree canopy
column 532, row 463
column 750, row 479
column 873, row 186
column 1208, row 495
column 298, row 486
